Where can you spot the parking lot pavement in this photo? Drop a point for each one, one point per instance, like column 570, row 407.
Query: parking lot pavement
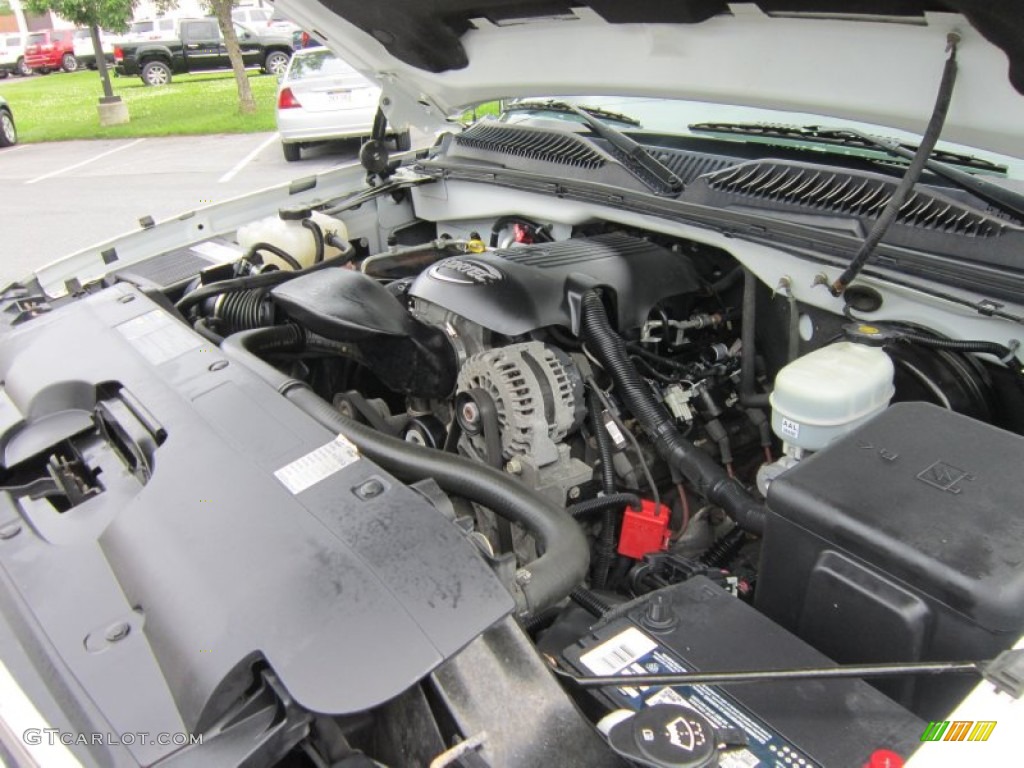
column 60, row 197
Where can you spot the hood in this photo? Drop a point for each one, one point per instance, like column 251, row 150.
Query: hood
column 873, row 61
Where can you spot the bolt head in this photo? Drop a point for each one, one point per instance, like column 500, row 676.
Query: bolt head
column 118, row 631
column 470, row 413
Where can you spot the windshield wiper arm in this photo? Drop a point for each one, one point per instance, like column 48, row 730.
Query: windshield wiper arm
column 664, row 176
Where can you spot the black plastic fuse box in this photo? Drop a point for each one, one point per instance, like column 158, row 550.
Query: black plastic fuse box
column 903, row 541
column 834, row 723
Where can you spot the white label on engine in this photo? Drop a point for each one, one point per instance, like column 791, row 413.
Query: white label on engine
column 790, row 428
column 612, row 656
column 306, row 471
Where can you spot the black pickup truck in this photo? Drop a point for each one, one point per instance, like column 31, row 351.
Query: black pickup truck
column 199, row 45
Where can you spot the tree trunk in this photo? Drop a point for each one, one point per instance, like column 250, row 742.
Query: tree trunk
column 101, row 62
column 222, row 10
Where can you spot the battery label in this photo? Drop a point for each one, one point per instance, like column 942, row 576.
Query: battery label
column 633, row 652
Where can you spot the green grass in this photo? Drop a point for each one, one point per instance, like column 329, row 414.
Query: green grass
column 62, row 106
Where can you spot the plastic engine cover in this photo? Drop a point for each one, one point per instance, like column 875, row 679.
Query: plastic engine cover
column 517, row 290
column 257, row 535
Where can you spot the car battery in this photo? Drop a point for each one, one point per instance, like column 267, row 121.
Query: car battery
column 700, row 627
column 903, row 541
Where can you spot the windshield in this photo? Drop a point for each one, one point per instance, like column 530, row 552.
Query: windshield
column 39, row 38
column 141, row 27
column 675, row 116
column 316, row 64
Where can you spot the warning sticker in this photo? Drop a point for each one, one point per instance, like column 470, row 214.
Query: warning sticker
column 306, row 471
column 159, row 337
column 614, row 655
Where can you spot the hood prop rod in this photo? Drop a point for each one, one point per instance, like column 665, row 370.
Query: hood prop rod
column 1005, row 672
column 913, row 173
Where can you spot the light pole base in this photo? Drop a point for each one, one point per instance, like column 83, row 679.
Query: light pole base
column 112, row 112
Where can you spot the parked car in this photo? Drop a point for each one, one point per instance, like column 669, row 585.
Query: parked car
column 8, row 131
column 164, row 28
column 12, row 55
column 84, row 51
column 321, row 98
column 197, row 46
column 51, row 49
column 251, row 16
column 675, row 420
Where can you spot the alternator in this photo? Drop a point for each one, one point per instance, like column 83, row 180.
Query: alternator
column 537, row 392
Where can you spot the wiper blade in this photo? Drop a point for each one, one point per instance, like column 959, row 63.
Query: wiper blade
column 664, row 177
column 560, row 106
column 843, row 137
column 939, row 161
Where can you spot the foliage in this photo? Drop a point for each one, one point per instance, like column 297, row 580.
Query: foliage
column 113, row 15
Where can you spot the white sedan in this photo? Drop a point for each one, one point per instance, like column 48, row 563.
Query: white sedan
column 321, row 98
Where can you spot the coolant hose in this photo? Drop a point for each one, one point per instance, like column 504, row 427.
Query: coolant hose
column 701, row 471
column 543, row 582
column 748, row 349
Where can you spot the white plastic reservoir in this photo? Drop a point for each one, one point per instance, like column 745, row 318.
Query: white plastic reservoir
column 829, row 392
column 290, row 236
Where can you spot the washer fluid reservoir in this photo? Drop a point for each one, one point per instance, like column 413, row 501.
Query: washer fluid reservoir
column 286, row 232
column 829, row 392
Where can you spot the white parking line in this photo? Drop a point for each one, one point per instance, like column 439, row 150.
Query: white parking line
column 15, row 148
column 246, row 160
column 100, row 156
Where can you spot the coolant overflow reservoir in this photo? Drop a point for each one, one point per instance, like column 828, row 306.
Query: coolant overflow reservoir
column 286, row 231
column 829, row 392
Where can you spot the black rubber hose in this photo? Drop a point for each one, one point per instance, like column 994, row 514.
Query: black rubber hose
column 705, row 476
column 605, row 555
column 1005, row 354
column 723, row 551
column 206, row 332
column 590, row 602
column 282, row 254
column 748, row 348
column 262, row 280
column 912, row 175
column 603, row 504
column 543, row 582
column 605, row 451
column 318, row 239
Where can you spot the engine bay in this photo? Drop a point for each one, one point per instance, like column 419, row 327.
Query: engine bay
column 528, row 449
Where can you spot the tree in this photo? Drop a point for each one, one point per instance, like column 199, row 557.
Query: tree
column 222, row 10
column 113, row 15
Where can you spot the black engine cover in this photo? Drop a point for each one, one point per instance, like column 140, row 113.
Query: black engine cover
column 518, row 290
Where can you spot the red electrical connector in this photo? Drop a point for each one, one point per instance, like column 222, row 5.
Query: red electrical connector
column 644, row 530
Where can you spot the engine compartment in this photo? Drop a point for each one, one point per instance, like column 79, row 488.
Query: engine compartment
column 654, row 454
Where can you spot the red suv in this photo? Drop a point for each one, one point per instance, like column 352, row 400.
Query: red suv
column 51, row 49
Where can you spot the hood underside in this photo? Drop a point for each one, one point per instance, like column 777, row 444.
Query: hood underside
column 872, row 61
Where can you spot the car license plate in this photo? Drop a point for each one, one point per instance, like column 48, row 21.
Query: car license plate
column 339, row 98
